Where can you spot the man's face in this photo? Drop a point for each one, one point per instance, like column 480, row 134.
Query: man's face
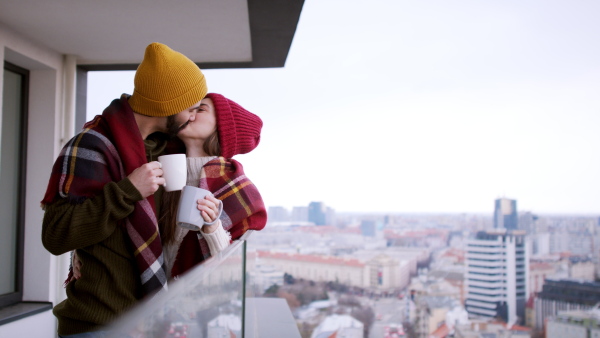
column 177, row 122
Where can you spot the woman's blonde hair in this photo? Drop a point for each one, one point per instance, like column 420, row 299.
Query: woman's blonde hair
column 167, row 222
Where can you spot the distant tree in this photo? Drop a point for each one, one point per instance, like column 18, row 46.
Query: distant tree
column 288, row 279
column 337, row 286
column 306, row 329
column 307, row 291
column 290, row 298
column 349, row 301
column 272, row 291
column 366, row 316
column 409, row 330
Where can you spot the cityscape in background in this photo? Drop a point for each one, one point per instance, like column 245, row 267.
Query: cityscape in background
column 509, row 273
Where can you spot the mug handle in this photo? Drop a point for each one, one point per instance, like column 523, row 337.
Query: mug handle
column 160, row 167
column 218, row 216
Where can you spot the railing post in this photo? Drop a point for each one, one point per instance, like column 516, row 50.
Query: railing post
column 244, row 246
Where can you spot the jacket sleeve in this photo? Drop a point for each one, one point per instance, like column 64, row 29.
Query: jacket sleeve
column 68, row 226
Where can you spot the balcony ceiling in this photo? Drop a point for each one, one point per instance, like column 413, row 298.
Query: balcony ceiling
column 112, row 34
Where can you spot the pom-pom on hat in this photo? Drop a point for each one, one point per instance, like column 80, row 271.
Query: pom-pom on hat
column 239, row 129
column 166, row 82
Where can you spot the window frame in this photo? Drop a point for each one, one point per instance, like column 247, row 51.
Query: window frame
column 17, row 296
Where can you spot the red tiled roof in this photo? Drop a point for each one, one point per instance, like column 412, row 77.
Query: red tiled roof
column 539, row 266
column 520, row 328
column 530, row 301
column 394, row 234
column 311, row 258
column 514, row 327
column 327, row 229
column 441, row 332
column 454, row 252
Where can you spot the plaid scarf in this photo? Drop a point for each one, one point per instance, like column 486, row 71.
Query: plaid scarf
column 243, row 209
column 108, row 149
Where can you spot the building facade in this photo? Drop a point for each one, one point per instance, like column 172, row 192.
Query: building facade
column 505, row 214
column 574, row 324
column 564, row 295
column 317, row 213
column 497, row 269
column 381, row 272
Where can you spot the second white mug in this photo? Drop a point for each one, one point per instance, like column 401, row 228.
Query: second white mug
column 188, row 215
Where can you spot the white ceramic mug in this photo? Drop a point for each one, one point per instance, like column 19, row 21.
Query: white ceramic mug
column 174, row 171
column 188, row 215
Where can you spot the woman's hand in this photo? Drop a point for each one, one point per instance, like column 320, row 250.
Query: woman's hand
column 76, row 263
column 209, row 209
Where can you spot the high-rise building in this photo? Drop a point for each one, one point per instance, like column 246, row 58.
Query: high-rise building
column 278, row 214
column 300, row 214
column 505, row 214
column 497, row 268
column 368, row 228
column 330, row 216
column 317, row 213
column 526, row 221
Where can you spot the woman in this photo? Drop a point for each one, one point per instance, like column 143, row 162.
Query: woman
column 221, row 130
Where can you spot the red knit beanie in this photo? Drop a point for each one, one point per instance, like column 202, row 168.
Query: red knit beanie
column 239, row 129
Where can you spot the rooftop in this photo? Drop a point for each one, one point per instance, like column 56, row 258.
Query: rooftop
column 311, row 258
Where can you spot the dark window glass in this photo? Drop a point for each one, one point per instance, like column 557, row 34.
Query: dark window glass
column 12, row 185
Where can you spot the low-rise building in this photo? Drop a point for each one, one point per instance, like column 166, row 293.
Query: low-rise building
column 380, row 272
column 339, row 326
column 574, row 324
column 431, row 313
column 583, row 269
column 348, row 271
column 486, row 329
column 564, row 295
column 538, row 272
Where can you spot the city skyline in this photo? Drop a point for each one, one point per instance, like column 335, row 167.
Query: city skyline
column 458, row 104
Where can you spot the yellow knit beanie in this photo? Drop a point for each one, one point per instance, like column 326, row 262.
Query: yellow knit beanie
column 166, row 82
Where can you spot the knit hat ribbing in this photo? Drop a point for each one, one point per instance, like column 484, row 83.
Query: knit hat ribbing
column 239, row 129
column 166, row 82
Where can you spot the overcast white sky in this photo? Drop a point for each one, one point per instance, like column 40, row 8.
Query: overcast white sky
column 424, row 106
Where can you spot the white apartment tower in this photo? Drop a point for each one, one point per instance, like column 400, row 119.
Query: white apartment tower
column 497, row 269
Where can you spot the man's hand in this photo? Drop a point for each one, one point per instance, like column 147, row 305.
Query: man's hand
column 147, row 178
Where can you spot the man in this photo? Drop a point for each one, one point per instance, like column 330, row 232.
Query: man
column 99, row 200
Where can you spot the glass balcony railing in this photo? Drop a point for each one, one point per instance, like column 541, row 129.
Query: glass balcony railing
column 209, row 301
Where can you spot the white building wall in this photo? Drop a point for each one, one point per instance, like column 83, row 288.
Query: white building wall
column 541, row 244
column 511, row 275
column 527, row 269
column 562, row 330
column 347, row 274
column 43, row 273
column 493, row 280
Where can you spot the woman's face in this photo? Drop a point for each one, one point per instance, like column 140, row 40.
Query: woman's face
column 204, row 124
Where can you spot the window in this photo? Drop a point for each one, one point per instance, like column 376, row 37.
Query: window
column 12, row 182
